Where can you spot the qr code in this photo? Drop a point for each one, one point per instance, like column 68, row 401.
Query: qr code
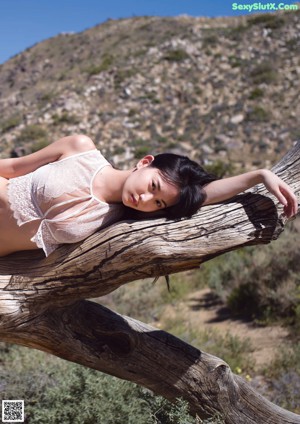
column 13, row 411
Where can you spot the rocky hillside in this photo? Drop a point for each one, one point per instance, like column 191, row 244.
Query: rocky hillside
column 213, row 88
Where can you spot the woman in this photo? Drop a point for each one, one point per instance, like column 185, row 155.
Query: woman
column 66, row 191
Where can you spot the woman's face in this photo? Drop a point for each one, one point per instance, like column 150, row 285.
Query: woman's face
column 145, row 189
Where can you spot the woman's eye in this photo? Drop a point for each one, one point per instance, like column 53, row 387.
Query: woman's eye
column 158, row 203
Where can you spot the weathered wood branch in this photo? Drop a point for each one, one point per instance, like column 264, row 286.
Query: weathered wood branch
column 96, row 337
column 42, row 306
column 128, row 251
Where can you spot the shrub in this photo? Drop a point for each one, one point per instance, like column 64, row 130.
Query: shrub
column 235, row 61
column 220, row 168
column 32, row 133
column 132, row 112
column 176, row 55
column 260, row 282
column 57, row 391
column 231, row 349
column 45, row 98
column 65, row 118
column 237, row 32
column 39, row 145
column 10, row 123
column 267, row 20
column 284, row 377
column 257, row 114
column 210, row 40
column 295, row 133
column 293, row 43
column 288, row 358
column 122, row 74
column 106, row 63
column 162, row 140
column 256, row 93
column 286, row 391
column 141, row 151
column 119, row 150
column 263, row 73
column 152, row 96
column 245, row 300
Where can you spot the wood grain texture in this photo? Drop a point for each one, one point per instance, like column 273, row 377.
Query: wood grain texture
column 42, row 301
column 94, row 336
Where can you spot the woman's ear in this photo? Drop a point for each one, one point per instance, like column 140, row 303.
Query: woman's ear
column 145, row 161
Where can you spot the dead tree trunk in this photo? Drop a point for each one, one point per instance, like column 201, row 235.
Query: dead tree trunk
column 42, row 301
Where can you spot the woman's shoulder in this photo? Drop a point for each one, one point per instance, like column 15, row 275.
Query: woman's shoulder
column 78, row 143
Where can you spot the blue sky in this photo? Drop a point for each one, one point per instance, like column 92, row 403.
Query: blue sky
column 26, row 22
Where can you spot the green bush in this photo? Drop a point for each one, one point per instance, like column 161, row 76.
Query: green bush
column 263, row 73
column 261, row 282
column 235, row 61
column 231, row 349
column 39, row 145
column 57, row 391
column 106, row 63
column 258, row 114
column 236, row 33
column 288, row 358
column 295, row 133
column 220, row 168
column 245, row 300
column 162, row 140
column 256, row 93
column 45, row 98
column 119, row 150
column 176, row 55
column 10, row 123
column 32, row 133
column 65, row 118
column 141, row 147
column 267, row 20
column 141, row 151
column 210, row 40
column 292, row 44
column 132, row 112
column 144, row 300
column 122, row 75
column 284, row 377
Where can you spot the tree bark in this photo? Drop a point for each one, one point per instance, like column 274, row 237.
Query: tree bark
column 42, row 301
column 94, row 336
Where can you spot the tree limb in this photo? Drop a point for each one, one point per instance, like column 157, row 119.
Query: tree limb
column 42, row 306
column 94, row 336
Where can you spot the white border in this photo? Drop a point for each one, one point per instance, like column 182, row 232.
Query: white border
column 13, row 421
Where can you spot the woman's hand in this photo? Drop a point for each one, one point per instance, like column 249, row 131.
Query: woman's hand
column 282, row 191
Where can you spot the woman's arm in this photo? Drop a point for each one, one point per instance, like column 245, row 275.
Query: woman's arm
column 223, row 189
column 66, row 146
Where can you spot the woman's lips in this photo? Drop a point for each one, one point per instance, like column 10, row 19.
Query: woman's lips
column 133, row 200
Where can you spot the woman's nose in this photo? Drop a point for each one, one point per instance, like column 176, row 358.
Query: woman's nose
column 145, row 197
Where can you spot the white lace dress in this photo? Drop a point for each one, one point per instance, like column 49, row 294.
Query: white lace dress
column 60, row 195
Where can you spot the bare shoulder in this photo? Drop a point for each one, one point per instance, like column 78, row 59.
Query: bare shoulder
column 59, row 149
column 77, row 143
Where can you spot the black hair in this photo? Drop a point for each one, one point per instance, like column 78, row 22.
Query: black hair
column 189, row 177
